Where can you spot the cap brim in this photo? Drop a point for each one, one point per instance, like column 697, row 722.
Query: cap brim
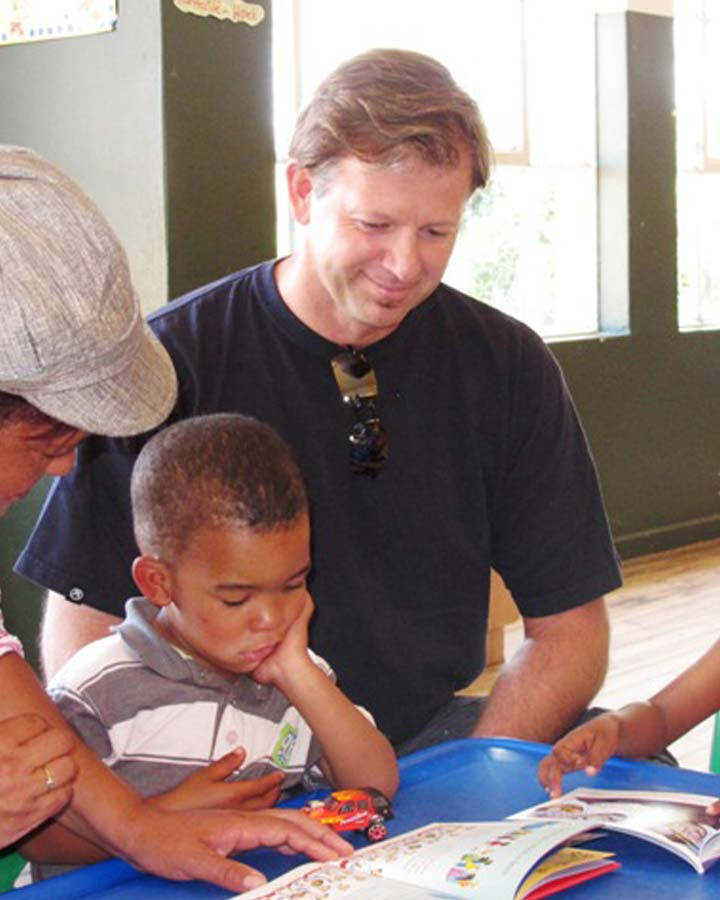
column 134, row 400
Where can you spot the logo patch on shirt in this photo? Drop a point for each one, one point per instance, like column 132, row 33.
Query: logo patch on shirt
column 283, row 750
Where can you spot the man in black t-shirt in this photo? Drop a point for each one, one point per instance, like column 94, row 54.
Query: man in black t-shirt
column 436, row 434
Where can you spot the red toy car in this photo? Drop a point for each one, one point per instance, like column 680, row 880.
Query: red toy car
column 361, row 809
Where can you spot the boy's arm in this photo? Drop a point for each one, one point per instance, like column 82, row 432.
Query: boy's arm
column 55, row 844
column 354, row 752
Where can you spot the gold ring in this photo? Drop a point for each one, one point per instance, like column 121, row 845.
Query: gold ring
column 50, row 782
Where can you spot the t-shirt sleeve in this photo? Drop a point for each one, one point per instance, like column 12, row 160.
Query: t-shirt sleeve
column 82, row 545
column 84, row 718
column 551, row 540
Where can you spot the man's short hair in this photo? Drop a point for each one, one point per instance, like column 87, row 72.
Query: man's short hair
column 385, row 105
column 219, row 471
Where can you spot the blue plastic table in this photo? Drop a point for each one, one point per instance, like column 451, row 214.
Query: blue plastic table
column 467, row 780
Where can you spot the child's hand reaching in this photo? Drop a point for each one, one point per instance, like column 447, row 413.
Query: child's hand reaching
column 208, row 789
column 585, row 747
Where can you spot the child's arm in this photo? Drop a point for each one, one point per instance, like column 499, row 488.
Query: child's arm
column 54, row 843
column 639, row 729
column 355, row 753
column 590, row 744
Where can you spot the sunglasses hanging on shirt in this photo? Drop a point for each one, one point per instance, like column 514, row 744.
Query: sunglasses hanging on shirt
column 358, row 388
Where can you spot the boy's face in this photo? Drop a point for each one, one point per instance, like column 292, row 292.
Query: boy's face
column 234, row 593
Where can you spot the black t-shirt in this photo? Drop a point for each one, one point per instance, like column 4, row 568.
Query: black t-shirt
column 488, row 465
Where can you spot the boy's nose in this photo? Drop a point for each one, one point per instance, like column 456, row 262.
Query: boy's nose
column 268, row 616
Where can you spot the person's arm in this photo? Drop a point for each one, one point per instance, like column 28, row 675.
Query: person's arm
column 66, row 627
column 36, row 769
column 175, row 845
column 639, row 729
column 552, row 676
column 55, row 844
column 354, row 752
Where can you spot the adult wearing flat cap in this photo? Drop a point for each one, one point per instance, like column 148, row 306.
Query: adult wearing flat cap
column 76, row 357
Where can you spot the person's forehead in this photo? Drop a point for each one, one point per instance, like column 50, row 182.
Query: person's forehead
column 240, row 547
column 351, row 172
column 43, row 437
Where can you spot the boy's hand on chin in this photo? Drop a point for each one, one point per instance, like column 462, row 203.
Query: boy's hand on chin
column 291, row 654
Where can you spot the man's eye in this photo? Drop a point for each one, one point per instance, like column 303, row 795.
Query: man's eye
column 372, row 226
column 295, row 585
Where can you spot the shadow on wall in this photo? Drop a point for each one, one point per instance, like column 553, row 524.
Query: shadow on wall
column 21, row 599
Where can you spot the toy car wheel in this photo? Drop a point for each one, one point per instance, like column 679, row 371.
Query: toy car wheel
column 376, row 831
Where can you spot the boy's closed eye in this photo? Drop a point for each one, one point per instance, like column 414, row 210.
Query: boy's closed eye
column 297, row 583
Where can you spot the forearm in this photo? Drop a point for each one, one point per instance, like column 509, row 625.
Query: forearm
column 56, row 844
column 66, row 627
column 551, row 678
column 643, row 729
column 354, row 752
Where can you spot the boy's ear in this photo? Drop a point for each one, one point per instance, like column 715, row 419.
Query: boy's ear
column 153, row 578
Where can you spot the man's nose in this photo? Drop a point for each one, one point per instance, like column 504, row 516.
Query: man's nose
column 402, row 257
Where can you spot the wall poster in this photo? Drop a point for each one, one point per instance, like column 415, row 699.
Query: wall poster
column 23, row 21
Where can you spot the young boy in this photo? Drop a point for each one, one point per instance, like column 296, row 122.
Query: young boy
column 209, row 679
column 639, row 729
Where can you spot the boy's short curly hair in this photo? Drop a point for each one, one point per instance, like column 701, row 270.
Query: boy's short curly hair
column 223, row 471
column 387, row 105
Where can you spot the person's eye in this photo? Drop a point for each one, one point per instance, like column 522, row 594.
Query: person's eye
column 371, row 226
column 440, row 232
column 296, row 586
column 234, row 601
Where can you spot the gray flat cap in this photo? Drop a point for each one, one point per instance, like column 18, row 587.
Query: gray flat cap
column 72, row 339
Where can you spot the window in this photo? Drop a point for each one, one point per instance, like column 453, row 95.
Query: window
column 528, row 242
column 697, row 99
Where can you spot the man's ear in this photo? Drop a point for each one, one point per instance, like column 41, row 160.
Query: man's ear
column 153, row 578
column 300, row 185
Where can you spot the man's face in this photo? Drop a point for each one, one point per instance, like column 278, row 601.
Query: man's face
column 377, row 240
column 236, row 592
column 29, row 451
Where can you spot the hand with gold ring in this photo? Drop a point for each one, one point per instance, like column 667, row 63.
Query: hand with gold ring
column 36, row 774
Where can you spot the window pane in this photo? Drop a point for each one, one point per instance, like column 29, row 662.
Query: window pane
column 697, row 98
column 527, row 247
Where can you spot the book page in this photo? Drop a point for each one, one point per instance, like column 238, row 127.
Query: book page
column 673, row 820
column 456, row 859
column 330, row 881
column 460, row 859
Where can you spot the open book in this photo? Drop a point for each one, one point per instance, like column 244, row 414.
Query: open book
column 499, row 860
column 678, row 822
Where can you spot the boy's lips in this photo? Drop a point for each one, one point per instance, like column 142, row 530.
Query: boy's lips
column 259, row 654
